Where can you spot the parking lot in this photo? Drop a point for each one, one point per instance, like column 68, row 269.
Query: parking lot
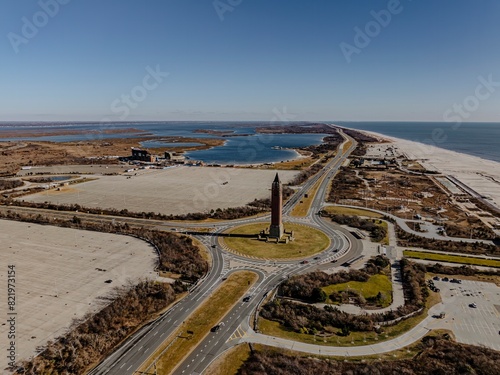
column 60, row 275
column 478, row 325
column 178, row 190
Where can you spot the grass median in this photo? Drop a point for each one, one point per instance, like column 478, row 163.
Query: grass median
column 208, row 314
column 308, row 241
column 351, row 211
column 230, row 362
column 452, row 258
column 302, row 208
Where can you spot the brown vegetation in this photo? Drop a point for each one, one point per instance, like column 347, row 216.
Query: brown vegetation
column 96, row 149
column 304, row 175
column 377, row 232
column 360, row 137
column 94, row 337
column 297, row 128
column 405, row 195
column 436, row 356
column 330, row 144
column 10, row 184
column 412, row 240
column 178, row 254
column 307, row 287
column 253, row 208
column 462, row 270
column 306, row 318
column 470, row 227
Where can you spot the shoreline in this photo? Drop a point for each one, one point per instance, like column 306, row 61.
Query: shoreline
column 481, row 175
column 297, row 156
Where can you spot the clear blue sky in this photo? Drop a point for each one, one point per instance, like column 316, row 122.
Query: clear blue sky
column 264, row 54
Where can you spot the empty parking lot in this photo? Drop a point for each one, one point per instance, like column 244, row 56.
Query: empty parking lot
column 178, row 190
column 60, row 274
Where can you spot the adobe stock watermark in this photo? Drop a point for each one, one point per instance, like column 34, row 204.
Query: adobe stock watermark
column 364, row 36
column 459, row 112
column 122, row 107
column 223, row 6
column 462, row 111
column 31, row 26
column 127, row 102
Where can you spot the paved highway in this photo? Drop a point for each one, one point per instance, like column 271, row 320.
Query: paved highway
column 130, row 356
column 239, row 319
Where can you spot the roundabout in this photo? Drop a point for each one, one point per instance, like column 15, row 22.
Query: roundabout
column 244, row 240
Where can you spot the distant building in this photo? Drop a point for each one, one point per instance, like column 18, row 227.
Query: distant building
column 174, row 157
column 142, row 155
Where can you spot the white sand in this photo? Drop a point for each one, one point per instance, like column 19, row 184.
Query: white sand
column 479, row 174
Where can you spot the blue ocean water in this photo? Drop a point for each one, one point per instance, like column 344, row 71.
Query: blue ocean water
column 243, row 147
column 478, row 139
column 474, row 138
column 159, row 144
column 258, row 148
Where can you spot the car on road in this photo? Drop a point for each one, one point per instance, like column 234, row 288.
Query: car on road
column 436, row 278
column 316, row 258
column 473, row 305
column 246, row 299
column 334, row 261
column 214, row 246
column 304, row 262
column 446, row 279
column 215, row 328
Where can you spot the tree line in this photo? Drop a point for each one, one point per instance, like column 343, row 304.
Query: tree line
column 307, row 287
column 309, row 319
column 436, row 355
column 177, row 253
column 409, row 239
column 92, row 338
column 10, row 184
column 251, row 209
column 377, row 232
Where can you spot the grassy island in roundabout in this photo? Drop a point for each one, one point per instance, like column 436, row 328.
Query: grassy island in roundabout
column 307, row 242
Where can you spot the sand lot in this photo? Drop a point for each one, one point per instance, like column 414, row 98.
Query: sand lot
column 176, row 190
column 60, row 274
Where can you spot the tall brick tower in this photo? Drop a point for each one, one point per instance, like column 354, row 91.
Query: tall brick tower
column 276, row 228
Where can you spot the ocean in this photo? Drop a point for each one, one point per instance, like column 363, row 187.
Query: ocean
column 245, row 146
column 478, row 139
column 474, row 138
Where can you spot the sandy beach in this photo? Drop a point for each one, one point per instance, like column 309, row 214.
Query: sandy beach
column 481, row 175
